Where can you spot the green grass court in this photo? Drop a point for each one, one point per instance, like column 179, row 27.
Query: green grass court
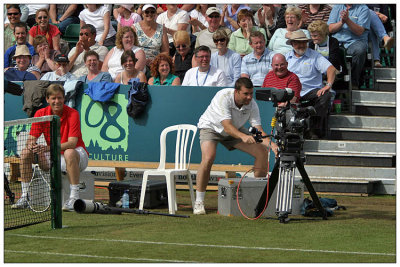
column 364, row 233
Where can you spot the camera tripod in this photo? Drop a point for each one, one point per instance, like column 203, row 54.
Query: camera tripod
column 283, row 176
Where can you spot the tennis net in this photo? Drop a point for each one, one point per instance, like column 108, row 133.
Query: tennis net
column 32, row 173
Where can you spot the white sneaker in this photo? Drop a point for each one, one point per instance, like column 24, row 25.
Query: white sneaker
column 199, row 208
column 22, row 203
column 69, row 205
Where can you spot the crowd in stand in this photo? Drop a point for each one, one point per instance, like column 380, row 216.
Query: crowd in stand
column 198, row 45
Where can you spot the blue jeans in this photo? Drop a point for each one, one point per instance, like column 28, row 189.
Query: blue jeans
column 358, row 52
column 376, row 34
column 70, row 20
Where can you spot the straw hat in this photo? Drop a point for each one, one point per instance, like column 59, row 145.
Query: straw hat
column 22, row 50
column 297, row 36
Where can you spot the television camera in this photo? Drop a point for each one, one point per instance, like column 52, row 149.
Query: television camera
column 291, row 121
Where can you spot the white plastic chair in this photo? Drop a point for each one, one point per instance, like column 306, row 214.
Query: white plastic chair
column 182, row 161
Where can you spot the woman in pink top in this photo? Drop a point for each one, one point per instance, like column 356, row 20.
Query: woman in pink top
column 43, row 27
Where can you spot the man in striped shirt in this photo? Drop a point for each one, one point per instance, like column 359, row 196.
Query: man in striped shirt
column 280, row 77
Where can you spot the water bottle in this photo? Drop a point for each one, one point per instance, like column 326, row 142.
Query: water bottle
column 125, row 200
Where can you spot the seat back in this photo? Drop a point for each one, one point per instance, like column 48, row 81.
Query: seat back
column 185, row 134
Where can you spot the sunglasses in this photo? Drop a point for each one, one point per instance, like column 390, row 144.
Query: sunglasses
column 181, row 46
column 151, row 11
column 219, row 40
column 84, row 33
column 44, row 17
column 213, row 16
column 13, row 14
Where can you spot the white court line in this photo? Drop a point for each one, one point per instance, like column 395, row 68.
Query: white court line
column 204, row 245
column 93, row 256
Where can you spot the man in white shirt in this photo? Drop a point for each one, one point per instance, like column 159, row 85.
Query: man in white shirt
column 87, row 36
column 205, row 37
column 204, row 74
column 223, row 122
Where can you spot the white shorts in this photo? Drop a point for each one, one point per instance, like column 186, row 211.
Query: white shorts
column 83, row 160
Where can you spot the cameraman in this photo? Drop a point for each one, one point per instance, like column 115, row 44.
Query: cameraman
column 223, row 122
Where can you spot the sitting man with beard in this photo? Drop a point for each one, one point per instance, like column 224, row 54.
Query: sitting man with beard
column 309, row 66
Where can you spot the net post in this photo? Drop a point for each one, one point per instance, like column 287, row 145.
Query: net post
column 56, row 212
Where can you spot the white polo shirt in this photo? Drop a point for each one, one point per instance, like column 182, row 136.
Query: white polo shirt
column 223, row 107
column 212, row 77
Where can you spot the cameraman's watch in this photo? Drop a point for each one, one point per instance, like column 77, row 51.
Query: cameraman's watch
column 329, row 84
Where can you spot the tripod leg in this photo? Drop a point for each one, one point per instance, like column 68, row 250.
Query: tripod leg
column 273, row 180
column 310, row 188
column 284, row 195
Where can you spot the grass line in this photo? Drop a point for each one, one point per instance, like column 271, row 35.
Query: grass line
column 206, row 245
column 94, row 256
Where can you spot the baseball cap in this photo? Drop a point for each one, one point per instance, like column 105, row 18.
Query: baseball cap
column 61, row 58
column 211, row 10
column 147, row 7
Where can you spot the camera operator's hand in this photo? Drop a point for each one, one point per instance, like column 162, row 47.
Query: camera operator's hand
column 248, row 139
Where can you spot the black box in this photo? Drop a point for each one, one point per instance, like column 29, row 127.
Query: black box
column 156, row 193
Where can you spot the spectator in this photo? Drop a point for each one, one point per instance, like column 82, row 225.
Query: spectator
column 225, row 59
column 183, row 58
column 99, row 16
column 198, row 17
column 20, row 34
column 271, row 17
column 128, row 61
column 280, row 78
column 162, row 69
column 313, row 12
column 377, row 34
column 229, row 16
column 74, row 156
column 239, row 40
column 257, row 64
column 278, row 42
column 126, row 17
column 326, row 45
column 174, row 19
column 64, row 15
column 205, row 37
column 204, row 74
column 350, row 24
column 43, row 27
column 92, row 62
column 87, row 41
column 32, row 9
column 152, row 37
column 309, row 66
column 61, row 73
column 23, row 69
column 14, row 16
column 187, row 7
column 44, row 57
column 223, row 122
column 126, row 40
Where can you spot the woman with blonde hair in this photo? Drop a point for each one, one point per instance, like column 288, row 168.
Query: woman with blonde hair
column 183, row 58
column 293, row 18
column 326, row 45
column 162, row 69
column 126, row 40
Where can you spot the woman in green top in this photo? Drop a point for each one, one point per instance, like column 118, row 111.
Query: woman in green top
column 161, row 71
column 239, row 39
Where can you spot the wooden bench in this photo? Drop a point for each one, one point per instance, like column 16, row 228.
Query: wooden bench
column 121, row 166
